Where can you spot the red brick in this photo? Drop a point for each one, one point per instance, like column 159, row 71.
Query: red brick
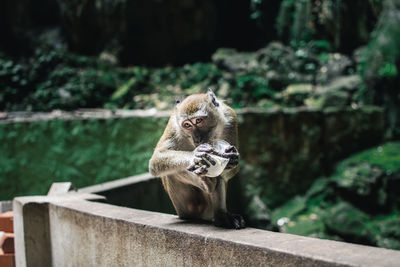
column 7, row 260
column 7, row 243
column 6, row 222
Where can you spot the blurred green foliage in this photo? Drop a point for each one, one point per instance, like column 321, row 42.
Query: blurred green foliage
column 62, row 80
column 56, row 80
column 381, row 59
column 84, row 152
column 358, row 203
column 380, row 65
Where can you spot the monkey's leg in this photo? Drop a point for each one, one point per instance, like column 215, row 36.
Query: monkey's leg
column 223, row 218
column 189, row 201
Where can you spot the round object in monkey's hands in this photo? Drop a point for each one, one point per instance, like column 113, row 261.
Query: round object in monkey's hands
column 222, row 149
column 211, row 159
column 205, row 163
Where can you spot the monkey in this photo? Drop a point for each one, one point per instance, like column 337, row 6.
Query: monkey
column 194, row 123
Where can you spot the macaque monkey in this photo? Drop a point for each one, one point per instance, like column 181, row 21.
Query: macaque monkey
column 195, row 123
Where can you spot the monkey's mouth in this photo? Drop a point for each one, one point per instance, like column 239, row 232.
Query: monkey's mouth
column 196, row 144
column 199, row 142
column 200, row 137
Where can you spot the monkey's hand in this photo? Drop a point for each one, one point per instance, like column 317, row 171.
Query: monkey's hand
column 201, row 160
column 230, row 152
column 233, row 155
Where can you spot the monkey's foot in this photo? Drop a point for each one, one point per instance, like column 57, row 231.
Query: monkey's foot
column 229, row 220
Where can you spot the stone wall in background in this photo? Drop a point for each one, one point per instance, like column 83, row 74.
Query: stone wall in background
column 34, row 154
column 286, row 149
column 283, row 150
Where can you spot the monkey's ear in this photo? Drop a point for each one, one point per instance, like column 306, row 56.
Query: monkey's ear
column 212, row 97
column 178, row 100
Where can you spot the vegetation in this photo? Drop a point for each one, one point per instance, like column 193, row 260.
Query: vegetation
column 358, row 203
column 307, row 54
column 380, row 65
column 34, row 155
column 62, row 80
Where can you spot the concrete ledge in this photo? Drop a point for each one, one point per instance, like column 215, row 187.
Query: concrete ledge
column 83, row 233
column 123, row 182
column 80, row 114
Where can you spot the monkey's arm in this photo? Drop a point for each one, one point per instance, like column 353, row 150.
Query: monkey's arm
column 174, row 164
column 166, row 162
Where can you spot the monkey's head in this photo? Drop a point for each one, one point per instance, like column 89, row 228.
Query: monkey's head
column 198, row 117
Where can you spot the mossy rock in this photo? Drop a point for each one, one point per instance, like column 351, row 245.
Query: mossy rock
column 291, row 209
column 388, row 231
column 305, row 225
column 231, row 60
column 295, row 94
column 386, row 156
column 358, row 203
column 347, row 221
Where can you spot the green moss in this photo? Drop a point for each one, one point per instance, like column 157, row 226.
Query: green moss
column 388, row 70
column 85, row 152
column 387, row 230
column 291, row 209
column 386, row 156
column 357, row 203
column 306, row 225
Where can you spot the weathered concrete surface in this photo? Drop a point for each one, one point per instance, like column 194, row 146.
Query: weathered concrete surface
column 82, row 114
column 32, row 234
column 60, row 188
column 83, row 233
column 32, row 229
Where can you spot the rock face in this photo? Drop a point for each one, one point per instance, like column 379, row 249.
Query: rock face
column 20, row 21
column 141, row 32
column 90, row 25
column 329, row 20
column 282, row 66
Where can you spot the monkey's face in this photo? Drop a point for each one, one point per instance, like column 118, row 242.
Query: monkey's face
column 200, row 129
column 197, row 116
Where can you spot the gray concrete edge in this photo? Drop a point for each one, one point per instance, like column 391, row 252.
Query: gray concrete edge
column 84, row 114
column 313, row 250
column 116, row 183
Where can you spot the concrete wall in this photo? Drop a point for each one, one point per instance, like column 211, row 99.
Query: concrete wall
column 285, row 150
column 68, row 230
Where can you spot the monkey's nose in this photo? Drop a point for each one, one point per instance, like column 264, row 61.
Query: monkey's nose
column 199, row 137
column 198, row 141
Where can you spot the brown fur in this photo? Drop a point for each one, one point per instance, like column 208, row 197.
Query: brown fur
column 190, row 105
column 193, row 196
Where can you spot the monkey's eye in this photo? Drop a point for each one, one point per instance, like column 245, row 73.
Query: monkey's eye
column 187, row 125
column 199, row 120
